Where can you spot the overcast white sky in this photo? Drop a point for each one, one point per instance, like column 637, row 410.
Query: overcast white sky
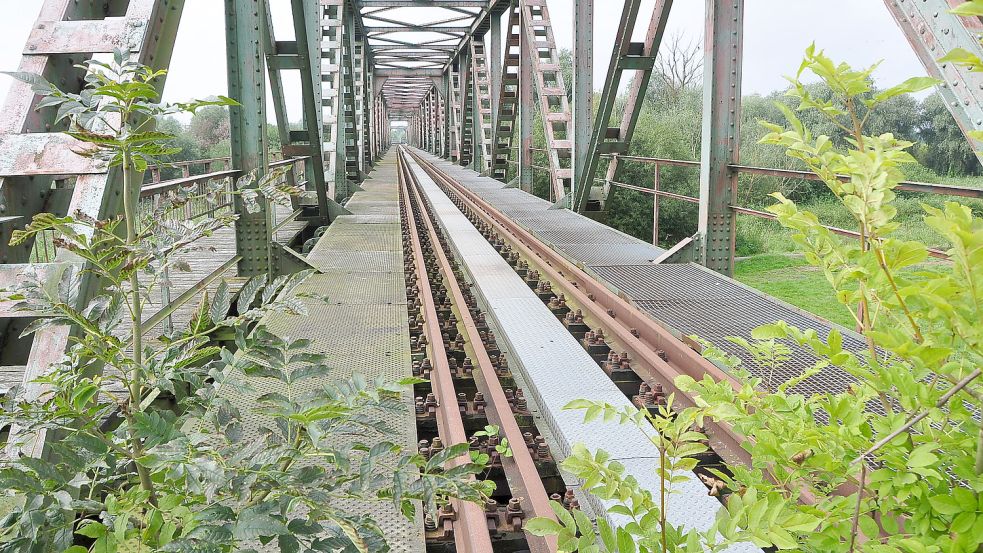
column 776, row 32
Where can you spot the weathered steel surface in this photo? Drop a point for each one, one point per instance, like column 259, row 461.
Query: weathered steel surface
column 724, row 38
column 45, row 154
column 554, row 108
column 932, row 32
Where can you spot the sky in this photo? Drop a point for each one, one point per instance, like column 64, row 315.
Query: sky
column 776, row 32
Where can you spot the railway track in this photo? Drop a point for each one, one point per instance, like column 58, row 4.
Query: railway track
column 469, row 387
column 630, row 340
column 580, row 326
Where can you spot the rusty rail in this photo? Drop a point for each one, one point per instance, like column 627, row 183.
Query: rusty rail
column 522, row 475
column 471, row 531
column 632, row 329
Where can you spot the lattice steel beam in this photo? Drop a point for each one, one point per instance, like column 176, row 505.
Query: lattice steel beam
column 482, row 103
column 932, row 32
column 554, row 107
column 65, row 34
column 507, row 107
column 638, row 57
column 332, row 37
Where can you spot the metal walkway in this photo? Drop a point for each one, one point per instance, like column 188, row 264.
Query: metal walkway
column 686, row 298
column 543, row 349
column 362, row 326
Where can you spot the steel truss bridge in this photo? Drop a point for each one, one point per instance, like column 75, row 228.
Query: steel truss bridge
column 437, row 259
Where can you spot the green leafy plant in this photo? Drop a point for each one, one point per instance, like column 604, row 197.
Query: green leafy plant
column 892, row 461
column 647, row 529
column 145, row 444
column 492, row 431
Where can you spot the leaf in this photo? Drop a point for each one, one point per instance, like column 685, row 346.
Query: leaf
column 542, row 526
column 914, row 84
column 248, row 292
column 251, row 526
column 922, row 456
column 221, row 303
column 37, row 82
column 972, row 8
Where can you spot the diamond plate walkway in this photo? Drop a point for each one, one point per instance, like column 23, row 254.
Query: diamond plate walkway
column 362, row 327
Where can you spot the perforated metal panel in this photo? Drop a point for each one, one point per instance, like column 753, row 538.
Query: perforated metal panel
column 361, row 327
column 694, row 301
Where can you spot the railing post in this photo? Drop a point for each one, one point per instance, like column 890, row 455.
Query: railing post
column 655, row 206
column 525, row 110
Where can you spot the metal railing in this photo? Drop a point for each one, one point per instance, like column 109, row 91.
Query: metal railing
column 195, row 189
column 656, row 192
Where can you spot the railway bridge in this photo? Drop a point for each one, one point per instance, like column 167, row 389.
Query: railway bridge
column 436, row 258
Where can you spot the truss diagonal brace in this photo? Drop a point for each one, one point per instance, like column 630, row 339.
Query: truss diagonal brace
column 932, row 32
column 627, row 55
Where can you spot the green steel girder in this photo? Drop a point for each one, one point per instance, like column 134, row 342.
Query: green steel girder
column 245, row 23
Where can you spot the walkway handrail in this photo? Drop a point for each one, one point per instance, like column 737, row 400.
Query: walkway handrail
column 909, row 186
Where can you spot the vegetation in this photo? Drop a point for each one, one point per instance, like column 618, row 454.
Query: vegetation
column 144, row 445
column 792, row 279
column 893, row 461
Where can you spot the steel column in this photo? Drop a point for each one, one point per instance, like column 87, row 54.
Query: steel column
column 245, row 20
column 525, row 108
column 583, row 94
column 721, row 131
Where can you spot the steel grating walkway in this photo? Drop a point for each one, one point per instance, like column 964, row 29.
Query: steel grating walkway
column 543, row 349
column 685, row 298
column 362, row 326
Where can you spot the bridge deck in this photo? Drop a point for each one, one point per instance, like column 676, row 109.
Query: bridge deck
column 685, row 298
column 361, row 326
column 542, row 348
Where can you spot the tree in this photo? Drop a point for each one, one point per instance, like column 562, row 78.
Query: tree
column 942, row 145
column 210, row 126
column 678, row 67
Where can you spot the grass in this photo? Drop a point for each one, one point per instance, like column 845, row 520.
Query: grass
column 792, row 280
